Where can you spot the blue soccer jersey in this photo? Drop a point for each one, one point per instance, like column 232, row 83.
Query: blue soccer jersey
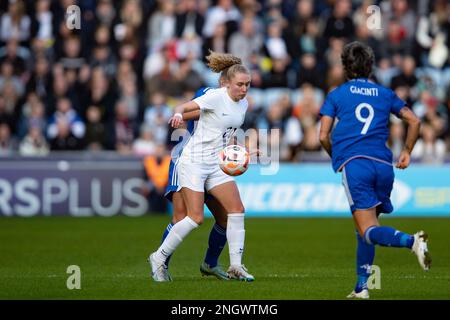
column 362, row 110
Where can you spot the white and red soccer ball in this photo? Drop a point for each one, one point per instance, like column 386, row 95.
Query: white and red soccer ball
column 234, row 160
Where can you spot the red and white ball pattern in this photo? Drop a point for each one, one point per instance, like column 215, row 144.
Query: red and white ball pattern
column 233, row 160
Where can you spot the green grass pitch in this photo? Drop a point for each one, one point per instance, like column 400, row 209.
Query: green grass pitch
column 308, row 258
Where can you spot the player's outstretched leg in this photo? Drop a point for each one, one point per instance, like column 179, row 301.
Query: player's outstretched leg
column 390, row 237
column 365, row 254
column 216, row 243
column 176, row 235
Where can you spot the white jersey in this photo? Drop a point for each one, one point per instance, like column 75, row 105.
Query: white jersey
column 220, row 116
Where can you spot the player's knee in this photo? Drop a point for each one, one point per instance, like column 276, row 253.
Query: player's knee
column 222, row 221
column 238, row 208
column 198, row 218
column 178, row 214
column 178, row 217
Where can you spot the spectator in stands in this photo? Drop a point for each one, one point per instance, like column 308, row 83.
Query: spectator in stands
column 103, row 57
column 407, row 77
column 275, row 45
column 43, row 21
column 122, row 130
column 162, row 25
column 156, row 168
column 156, row 116
column 429, row 110
column 334, row 78
column 275, row 117
column 429, row 149
column 224, row 12
column 18, row 56
column 217, row 42
column 340, row 23
column 6, row 116
column 133, row 99
column 64, row 139
column 34, row 143
column 186, row 78
column 309, row 71
column 385, row 71
column 100, row 93
column 246, row 41
column 11, row 99
column 7, row 76
column 145, row 144
column 41, row 80
column 65, row 116
column 15, row 24
column 334, row 51
column 401, row 25
column 72, row 58
column 8, row 143
column 95, row 138
column 307, row 111
column 278, row 76
column 189, row 20
column 33, row 114
column 293, row 137
column 433, row 35
column 105, row 12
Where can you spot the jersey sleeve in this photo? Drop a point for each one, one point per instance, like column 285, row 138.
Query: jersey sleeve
column 200, row 92
column 207, row 101
column 396, row 104
column 328, row 107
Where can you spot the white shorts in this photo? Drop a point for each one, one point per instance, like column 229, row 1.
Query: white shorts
column 199, row 177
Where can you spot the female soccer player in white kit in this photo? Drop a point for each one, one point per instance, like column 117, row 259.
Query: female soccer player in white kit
column 222, row 111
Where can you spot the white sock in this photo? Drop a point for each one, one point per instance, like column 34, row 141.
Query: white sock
column 176, row 235
column 235, row 237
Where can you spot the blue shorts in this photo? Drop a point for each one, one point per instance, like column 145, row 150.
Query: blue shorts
column 368, row 183
column 173, row 186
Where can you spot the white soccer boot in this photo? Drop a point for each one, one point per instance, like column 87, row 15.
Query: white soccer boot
column 159, row 273
column 420, row 248
column 364, row 294
column 216, row 271
column 240, row 273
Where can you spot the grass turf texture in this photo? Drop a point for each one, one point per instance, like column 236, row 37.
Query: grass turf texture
column 290, row 259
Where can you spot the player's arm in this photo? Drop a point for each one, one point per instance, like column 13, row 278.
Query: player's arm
column 326, row 125
column 187, row 107
column 191, row 115
column 411, row 137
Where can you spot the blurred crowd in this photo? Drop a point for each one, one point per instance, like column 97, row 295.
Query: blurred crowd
column 112, row 84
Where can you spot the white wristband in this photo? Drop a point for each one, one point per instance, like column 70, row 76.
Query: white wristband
column 178, row 115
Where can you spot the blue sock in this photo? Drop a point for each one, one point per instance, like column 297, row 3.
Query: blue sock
column 365, row 254
column 166, row 232
column 388, row 237
column 216, row 242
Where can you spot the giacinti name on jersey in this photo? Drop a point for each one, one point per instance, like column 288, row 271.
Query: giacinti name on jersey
column 373, row 92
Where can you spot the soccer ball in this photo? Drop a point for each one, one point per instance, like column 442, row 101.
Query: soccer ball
column 233, row 160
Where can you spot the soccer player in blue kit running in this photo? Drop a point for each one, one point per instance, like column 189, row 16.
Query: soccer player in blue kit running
column 357, row 147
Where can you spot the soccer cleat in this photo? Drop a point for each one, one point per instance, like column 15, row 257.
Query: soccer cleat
column 240, row 273
column 159, row 273
column 364, row 294
column 216, row 271
column 420, row 248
